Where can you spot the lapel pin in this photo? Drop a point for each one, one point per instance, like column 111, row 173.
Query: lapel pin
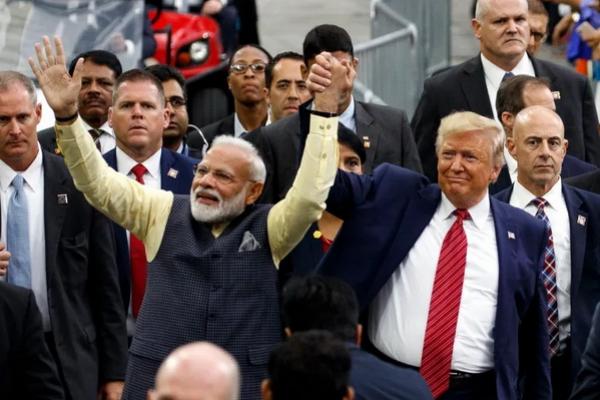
column 556, row 95
column 581, row 220
column 366, row 142
column 62, row 198
column 511, row 235
column 172, row 173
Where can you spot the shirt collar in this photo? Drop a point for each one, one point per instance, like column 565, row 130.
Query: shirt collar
column 495, row 73
column 33, row 175
column 347, row 117
column 479, row 212
column 106, row 129
column 126, row 163
column 521, row 197
column 511, row 164
column 238, row 128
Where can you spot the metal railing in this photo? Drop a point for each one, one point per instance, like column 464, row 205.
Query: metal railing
column 411, row 40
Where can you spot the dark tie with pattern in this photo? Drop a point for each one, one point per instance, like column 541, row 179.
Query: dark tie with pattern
column 443, row 308
column 507, row 75
column 96, row 133
column 137, row 253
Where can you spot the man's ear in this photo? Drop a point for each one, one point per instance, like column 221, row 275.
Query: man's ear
column 254, row 192
column 110, row 113
column 476, row 27
column 508, row 120
column 288, row 331
column 265, row 389
column 350, row 395
column 359, row 332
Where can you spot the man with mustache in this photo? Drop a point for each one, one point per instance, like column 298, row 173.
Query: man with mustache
column 100, row 71
column 214, row 258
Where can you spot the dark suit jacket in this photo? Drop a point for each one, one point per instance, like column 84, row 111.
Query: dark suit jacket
column 88, row 323
column 463, row 88
column 27, row 369
column 373, row 379
column 584, row 221
column 589, row 181
column 571, row 166
column 179, row 184
column 388, row 139
column 385, row 214
column 223, row 126
column 587, row 384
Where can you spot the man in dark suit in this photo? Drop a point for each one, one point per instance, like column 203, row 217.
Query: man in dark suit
column 27, row 370
column 473, row 85
column 318, row 302
column 515, row 94
column 573, row 216
column 100, row 71
column 62, row 249
column 139, row 132
column 587, row 384
column 395, row 226
column 589, row 181
column 384, row 130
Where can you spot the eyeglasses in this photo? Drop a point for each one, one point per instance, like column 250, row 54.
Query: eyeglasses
column 176, row 101
column 242, row 68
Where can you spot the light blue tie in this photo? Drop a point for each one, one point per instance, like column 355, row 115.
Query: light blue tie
column 17, row 236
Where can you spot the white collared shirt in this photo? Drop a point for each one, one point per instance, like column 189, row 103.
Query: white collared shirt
column 34, row 190
column 511, row 164
column 400, row 309
column 238, row 128
column 347, row 118
column 494, row 74
column 558, row 214
column 107, row 136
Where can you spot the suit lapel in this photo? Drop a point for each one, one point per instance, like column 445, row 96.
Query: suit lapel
column 55, row 208
column 168, row 174
column 472, row 83
column 366, row 129
column 578, row 218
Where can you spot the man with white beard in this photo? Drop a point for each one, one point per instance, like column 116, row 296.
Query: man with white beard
column 214, row 254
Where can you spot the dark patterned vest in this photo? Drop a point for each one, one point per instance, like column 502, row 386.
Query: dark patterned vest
column 222, row 290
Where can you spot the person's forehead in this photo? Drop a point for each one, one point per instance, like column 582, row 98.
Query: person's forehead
column 540, row 125
column 503, row 8
column 143, row 90
column 15, row 95
column 249, row 54
column 288, row 68
column 228, row 158
column 90, row 68
column 171, row 86
column 538, row 95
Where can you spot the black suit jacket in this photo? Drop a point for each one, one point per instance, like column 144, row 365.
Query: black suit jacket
column 587, row 384
column 27, row 370
column 462, row 88
column 86, row 311
column 589, row 181
column 571, row 166
column 384, row 130
column 225, row 126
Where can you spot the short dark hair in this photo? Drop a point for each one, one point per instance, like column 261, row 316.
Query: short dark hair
column 536, row 7
column 326, row 38
column 99, row 57
column 319, row 302
column 255, row 46
column 353, row 141
column 138, row 75
column 510, row 94
column 166, row 73
column 286, row 55
column 309, row 365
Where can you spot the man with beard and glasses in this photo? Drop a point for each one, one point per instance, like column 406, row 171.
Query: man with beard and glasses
column 99, row 74
column 214, row 254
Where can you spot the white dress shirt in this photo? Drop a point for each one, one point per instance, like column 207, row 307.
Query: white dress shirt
column 400, row 309
column 151, row 179
column 347, row 118
column 239, row 129
column 34, row 190
column 494, row 74
column 558, row 214
column 107, row 137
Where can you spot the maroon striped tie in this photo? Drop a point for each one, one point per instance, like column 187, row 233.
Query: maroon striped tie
column 443, row 309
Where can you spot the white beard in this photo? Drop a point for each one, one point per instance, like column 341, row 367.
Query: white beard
column 223, row 212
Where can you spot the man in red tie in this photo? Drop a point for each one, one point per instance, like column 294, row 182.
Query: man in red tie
column 449, row 276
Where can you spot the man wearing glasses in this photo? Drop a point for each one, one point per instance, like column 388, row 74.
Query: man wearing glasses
column 246, row 80
column 538, row 26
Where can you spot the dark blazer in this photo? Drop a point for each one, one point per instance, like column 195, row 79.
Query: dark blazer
column 47, row 139
column 463, row 88
column 27, row 370
column 584, row 221
column 223, row 126
column 571, row 166
column 179, row 184
column 384, row 130
column 385, row 214
column 373, row 379
column 88, row 323
column 589, row 181
column 587, row 384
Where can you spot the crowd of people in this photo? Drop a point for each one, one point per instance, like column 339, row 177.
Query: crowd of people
column 309, row 245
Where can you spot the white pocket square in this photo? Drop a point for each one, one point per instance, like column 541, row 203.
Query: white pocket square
column 249, row 243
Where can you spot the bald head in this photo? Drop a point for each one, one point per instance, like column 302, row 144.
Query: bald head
column 537, row 115
column 198, row 371
column 483, row 6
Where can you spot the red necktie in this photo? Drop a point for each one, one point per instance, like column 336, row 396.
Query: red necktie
column 444, row 306
column 137, row 254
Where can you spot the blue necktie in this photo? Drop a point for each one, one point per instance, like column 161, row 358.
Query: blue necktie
column 17, row 236
column 507, row 75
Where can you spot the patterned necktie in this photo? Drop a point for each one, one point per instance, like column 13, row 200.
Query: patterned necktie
column 137, row 254
column 17, row 236
column 443, row 308
column 549, row 275
column 96, row 133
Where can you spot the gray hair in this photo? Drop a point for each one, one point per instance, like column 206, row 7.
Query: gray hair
column 8, row 78
column 467, row 121
column 483, row 6
column 258, row 171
